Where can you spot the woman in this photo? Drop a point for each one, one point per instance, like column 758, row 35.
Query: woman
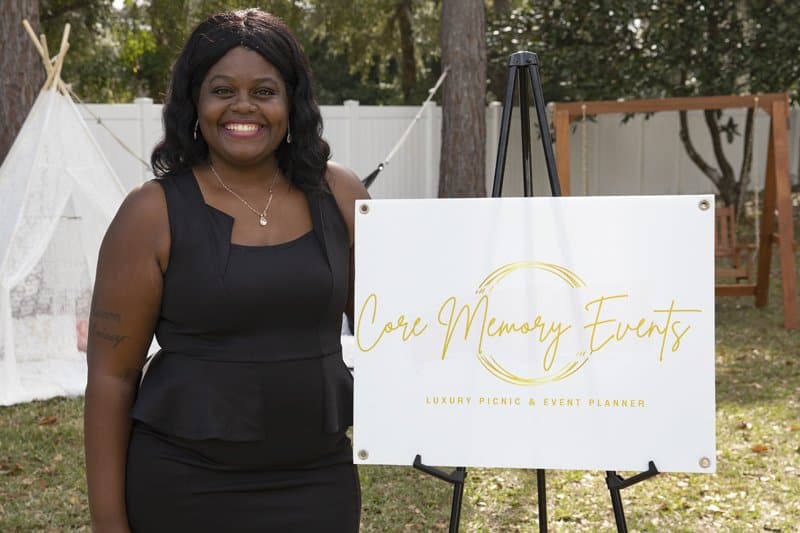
column 239, row 258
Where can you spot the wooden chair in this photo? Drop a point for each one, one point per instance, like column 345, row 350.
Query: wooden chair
column 736, row 258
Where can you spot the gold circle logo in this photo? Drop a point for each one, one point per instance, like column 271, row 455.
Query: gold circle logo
column 490, row 363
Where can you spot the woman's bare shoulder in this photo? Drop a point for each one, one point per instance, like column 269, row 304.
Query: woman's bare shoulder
column 345, row 183
column 141, row 222
column 144, row 202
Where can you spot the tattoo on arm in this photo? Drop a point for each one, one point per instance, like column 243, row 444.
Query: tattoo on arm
column 104, row 314
column 101, row 315
column 113, row 338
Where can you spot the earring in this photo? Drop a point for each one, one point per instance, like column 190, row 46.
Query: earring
column 288, row 134
column 196, row 124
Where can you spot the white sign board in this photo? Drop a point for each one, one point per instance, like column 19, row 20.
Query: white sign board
column 566, row 333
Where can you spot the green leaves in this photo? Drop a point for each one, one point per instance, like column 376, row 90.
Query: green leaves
column 653, row 48
column 376, row 51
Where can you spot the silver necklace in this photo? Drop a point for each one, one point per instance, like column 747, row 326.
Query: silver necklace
column 262, row 216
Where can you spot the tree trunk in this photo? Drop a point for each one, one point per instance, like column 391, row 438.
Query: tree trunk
column 463, row 38
column 728, row 186
column 723, row 177
column 21, row 70
column 168, row 20
column 408, row 77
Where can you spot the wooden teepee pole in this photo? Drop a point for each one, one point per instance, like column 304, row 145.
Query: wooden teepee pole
column 42, row 52
column 52, row 68
column 55, row 76
column 48, row 64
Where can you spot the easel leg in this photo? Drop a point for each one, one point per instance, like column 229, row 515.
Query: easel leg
column 505, row 125
column 525, row 129
column 541, row 487
column 458, row 494
column 616, row 501
column 616, row 483
column 456, row 477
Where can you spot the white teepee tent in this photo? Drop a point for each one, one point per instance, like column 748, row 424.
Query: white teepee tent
column 57, row 196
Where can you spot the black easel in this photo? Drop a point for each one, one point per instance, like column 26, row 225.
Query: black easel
column 523, row 68
column 456, row 477
column 616, row 483
column 528, row 63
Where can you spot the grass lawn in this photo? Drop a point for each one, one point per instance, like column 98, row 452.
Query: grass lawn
column 756, row 487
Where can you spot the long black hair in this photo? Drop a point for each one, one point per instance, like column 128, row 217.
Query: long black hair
column 303, row 160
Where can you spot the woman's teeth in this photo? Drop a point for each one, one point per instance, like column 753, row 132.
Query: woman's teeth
column 241, row 127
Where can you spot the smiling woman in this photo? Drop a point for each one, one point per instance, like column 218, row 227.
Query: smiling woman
column 243, row 98
column 239, row 259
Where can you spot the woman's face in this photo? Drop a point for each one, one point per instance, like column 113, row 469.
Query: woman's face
column 243, row 108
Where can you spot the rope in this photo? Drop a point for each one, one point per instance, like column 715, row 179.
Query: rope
column 403, row 137
column 103, row 125
column 431, row 92
column 756, row 209
column 584, row 158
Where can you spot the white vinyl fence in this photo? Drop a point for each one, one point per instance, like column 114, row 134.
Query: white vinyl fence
column 641, row 156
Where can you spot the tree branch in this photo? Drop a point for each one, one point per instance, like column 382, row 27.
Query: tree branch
column 711, row 172
column 716, row 142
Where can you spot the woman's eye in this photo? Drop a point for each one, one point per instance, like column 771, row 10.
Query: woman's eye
column 221, row 91
column 264, row 91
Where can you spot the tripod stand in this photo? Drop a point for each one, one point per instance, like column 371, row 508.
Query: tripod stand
column 523, row 67
column 523, row 73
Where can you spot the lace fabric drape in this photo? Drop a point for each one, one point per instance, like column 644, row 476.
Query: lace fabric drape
column 57, row 196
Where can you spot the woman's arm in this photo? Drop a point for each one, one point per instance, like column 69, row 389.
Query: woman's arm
column 347, row 188
column 125, row 307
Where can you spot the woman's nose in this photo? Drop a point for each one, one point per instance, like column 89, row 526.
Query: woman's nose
column 243, row 104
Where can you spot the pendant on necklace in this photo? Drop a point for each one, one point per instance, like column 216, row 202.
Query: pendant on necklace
column 262, row 220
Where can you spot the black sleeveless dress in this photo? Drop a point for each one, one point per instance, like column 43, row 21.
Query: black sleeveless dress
column 240, row 420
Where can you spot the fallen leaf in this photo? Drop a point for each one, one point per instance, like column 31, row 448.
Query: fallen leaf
column 760, row 448
column 794, row 428
column 48, row 421
column 10, row 470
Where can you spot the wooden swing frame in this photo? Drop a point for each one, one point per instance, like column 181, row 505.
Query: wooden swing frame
column 777, row 186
